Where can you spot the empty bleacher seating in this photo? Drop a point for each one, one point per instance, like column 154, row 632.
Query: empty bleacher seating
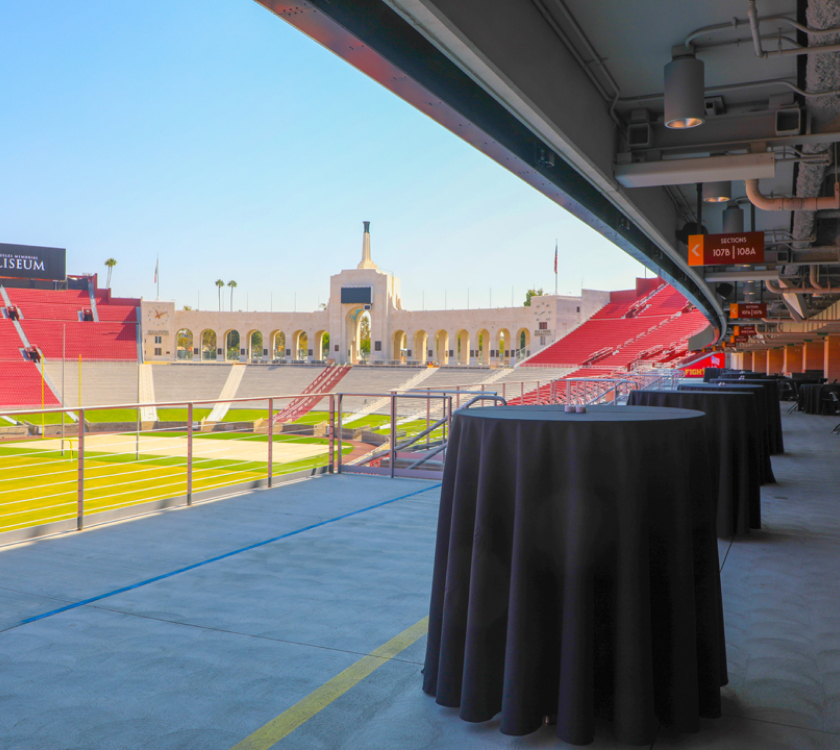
column 649, row 327
column 60, row 322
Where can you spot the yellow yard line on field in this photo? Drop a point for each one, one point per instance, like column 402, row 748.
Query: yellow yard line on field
column 270, row 734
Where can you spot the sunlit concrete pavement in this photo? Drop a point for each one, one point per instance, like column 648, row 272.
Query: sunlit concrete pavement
column 203, row 658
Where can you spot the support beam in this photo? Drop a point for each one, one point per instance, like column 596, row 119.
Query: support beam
column 747, row 361
column 831, row 358
column 775, row 361
column 792, row 359
column 813, row 354
column 760, row 361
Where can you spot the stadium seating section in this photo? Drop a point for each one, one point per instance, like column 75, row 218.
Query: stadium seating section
column 54, row 322
column 649, row 328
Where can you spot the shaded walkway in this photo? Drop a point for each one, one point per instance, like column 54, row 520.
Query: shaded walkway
column 206, row 657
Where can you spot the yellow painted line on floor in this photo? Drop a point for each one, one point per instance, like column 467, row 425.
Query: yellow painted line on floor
column 270, row 734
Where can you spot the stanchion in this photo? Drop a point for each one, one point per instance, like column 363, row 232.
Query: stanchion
column 80, row 496
column 270, row 441
column 189, row 453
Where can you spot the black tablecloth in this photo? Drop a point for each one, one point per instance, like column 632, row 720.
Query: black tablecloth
column 771, row 388
column 763, row 407
column 576, row 572
column 812, row 396
column 734, row 438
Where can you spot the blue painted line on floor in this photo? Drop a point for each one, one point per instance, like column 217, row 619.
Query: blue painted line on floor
column 220, row 557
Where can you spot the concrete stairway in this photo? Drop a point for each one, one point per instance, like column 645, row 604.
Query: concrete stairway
column 385, row 402
column 147, row 393
column 229, row 390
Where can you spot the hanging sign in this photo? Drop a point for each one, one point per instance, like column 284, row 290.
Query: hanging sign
column 746, row 310
column 698, row 368
column 746, row 330
column 723, row 249
column 739, row 339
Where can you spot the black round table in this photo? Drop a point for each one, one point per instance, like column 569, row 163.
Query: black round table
column 812, row 396
column 734, row 438
column 771, row 388
column 764, row 407
column 576, row 572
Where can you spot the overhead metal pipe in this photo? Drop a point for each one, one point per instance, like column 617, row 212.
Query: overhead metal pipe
column 786, row 203
column 738, row 22
column 712, row 90
column 752, row 14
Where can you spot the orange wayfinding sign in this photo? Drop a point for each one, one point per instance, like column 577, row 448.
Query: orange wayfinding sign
column 746, row 310
column 722, row 249
column 746, row 330
column 698, row 368
column 739, row 339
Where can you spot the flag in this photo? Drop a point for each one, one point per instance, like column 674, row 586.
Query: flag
column 157, row 263
column 555, row 257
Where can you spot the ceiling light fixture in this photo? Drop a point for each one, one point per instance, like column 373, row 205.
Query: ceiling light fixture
column 685, row 90
column 717, row 192
column 733, row 220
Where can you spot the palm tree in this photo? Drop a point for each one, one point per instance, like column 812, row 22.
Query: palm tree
column 220, row 284
column 110, row 263
column 232, row 285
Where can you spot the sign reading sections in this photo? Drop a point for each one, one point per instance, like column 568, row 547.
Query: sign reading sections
column 747, row 310
column 30, row 262
column 723, row 249
column 746, row 330
column 739, row 339
column 698, row 368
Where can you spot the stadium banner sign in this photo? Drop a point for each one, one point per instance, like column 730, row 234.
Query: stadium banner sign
column 747, row 310
column 31, row 262
column 697, row 369
column 723, row 249
column 746, row 330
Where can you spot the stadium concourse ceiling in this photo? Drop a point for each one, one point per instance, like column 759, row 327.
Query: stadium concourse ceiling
column 571, row 96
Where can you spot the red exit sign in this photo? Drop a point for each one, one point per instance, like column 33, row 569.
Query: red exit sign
column 746, row 310
column 723, row 249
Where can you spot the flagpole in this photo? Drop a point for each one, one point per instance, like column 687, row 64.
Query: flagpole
column 157, row 275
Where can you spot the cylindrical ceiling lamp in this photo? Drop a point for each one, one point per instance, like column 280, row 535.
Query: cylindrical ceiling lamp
column 685, row 91
column 733, row 220
column 717, row 192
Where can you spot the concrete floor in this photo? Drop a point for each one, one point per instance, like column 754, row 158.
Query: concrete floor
column 202, row 658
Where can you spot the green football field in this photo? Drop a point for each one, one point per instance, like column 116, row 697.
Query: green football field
column 38, row 484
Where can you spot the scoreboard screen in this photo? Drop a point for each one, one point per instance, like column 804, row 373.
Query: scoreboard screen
column 356, row 295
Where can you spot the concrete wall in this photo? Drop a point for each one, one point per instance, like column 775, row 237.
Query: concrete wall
column 482, row 336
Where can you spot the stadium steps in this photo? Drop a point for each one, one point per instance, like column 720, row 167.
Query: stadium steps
column 147, row 393
column 375, row 406
column 272, row 380
column 373, row 379
column 103, row 383
column 326, row 381
column 186, row 382
column 231, row 386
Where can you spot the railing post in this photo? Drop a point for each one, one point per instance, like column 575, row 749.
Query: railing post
column 80, row 498
column 270, row 441
column 393, row 432
column 428, row 412
column 521, row 391
column 340, row 431
column 189, row 453
column 457, row 396
column 332, row 433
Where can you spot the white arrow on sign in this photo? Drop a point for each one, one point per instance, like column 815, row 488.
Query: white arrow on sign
column 696, row 249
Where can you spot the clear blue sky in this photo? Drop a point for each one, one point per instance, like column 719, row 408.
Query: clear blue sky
column 215, row 134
